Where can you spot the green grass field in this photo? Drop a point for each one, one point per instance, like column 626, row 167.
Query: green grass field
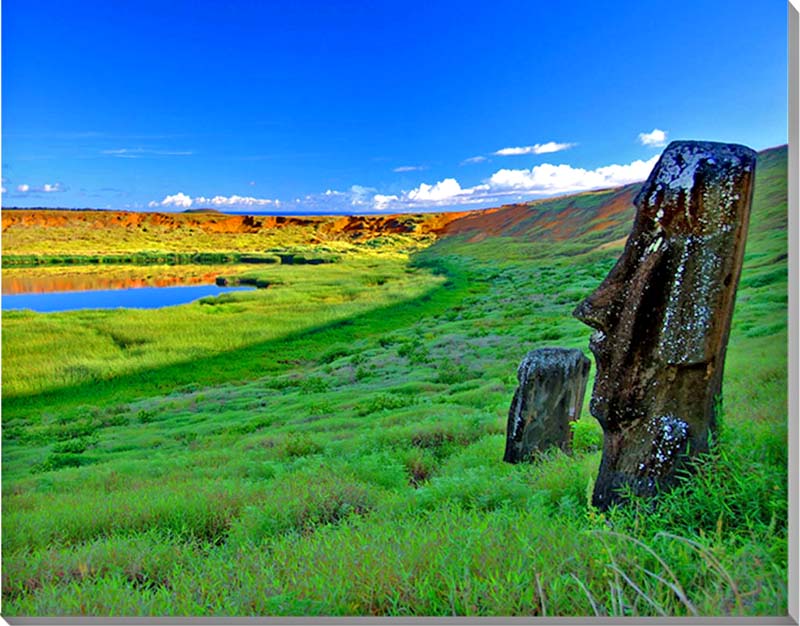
column 332, row 445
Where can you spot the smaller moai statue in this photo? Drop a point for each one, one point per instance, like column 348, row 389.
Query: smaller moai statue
column 552, row 383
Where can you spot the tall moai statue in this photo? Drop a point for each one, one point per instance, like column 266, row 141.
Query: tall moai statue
column 662, row 317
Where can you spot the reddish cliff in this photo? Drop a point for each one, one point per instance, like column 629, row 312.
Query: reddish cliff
column 212, row 222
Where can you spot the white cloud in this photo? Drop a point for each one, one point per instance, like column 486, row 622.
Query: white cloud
column 409, row 168
column 515, row 151
column 541, row 180
column 179, row 199
column 656, row 139
column 380, row 201
column 504, row 185
column 444, row 193
column 360, row 195
column 234, row 200
column 358, row 198
column 475, row 159
column 539, row 148
column 443, row 190
column 548, row 179
column 46, row 188
column 185, row 201
column 3, row 189
column 136, row 153
column 551, row 146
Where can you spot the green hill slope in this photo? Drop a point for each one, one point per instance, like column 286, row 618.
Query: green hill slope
column 355, row 468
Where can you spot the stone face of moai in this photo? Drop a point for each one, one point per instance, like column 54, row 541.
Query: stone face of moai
column 552, row 383
column 662, row 317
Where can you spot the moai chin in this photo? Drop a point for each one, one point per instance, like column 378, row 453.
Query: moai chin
column 662, row 317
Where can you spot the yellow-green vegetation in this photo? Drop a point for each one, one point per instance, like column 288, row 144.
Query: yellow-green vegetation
column 84, row 238
column 46, row 352
column 29, row 237
column 352, row 466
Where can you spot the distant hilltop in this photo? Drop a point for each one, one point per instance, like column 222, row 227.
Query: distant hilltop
column 606, row 213
column 202, row 211
column 212, row 221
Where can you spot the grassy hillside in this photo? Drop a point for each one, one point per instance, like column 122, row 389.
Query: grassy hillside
column 352, row 466
column 97, row 347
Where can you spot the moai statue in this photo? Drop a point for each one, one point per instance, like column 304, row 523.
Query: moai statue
column 552, row 382
column 662, row 317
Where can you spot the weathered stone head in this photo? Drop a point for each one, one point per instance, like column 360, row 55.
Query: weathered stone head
column 662, row 316
column 549, row 398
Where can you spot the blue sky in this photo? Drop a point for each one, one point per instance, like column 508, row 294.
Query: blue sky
column 324, row 107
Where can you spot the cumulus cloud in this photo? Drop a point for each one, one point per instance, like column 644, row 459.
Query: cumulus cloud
column 504, row 185
column 23, row 188
column 179, row 199
column 234, row 200
column 381, row 201
column 548, row 179
column 446, row 192
column 539, row 148
column 655, row 139
column 48, row 188
column 443, row 190
column 541, row 180
column 184, row 201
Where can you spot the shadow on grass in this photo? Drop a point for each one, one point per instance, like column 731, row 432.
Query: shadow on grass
column 250, row 362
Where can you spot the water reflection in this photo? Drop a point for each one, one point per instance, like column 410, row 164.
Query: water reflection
column 22, row 281
column 50, row 289
column 138, row 298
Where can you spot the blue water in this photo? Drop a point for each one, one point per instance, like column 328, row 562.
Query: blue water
column 134, row 298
